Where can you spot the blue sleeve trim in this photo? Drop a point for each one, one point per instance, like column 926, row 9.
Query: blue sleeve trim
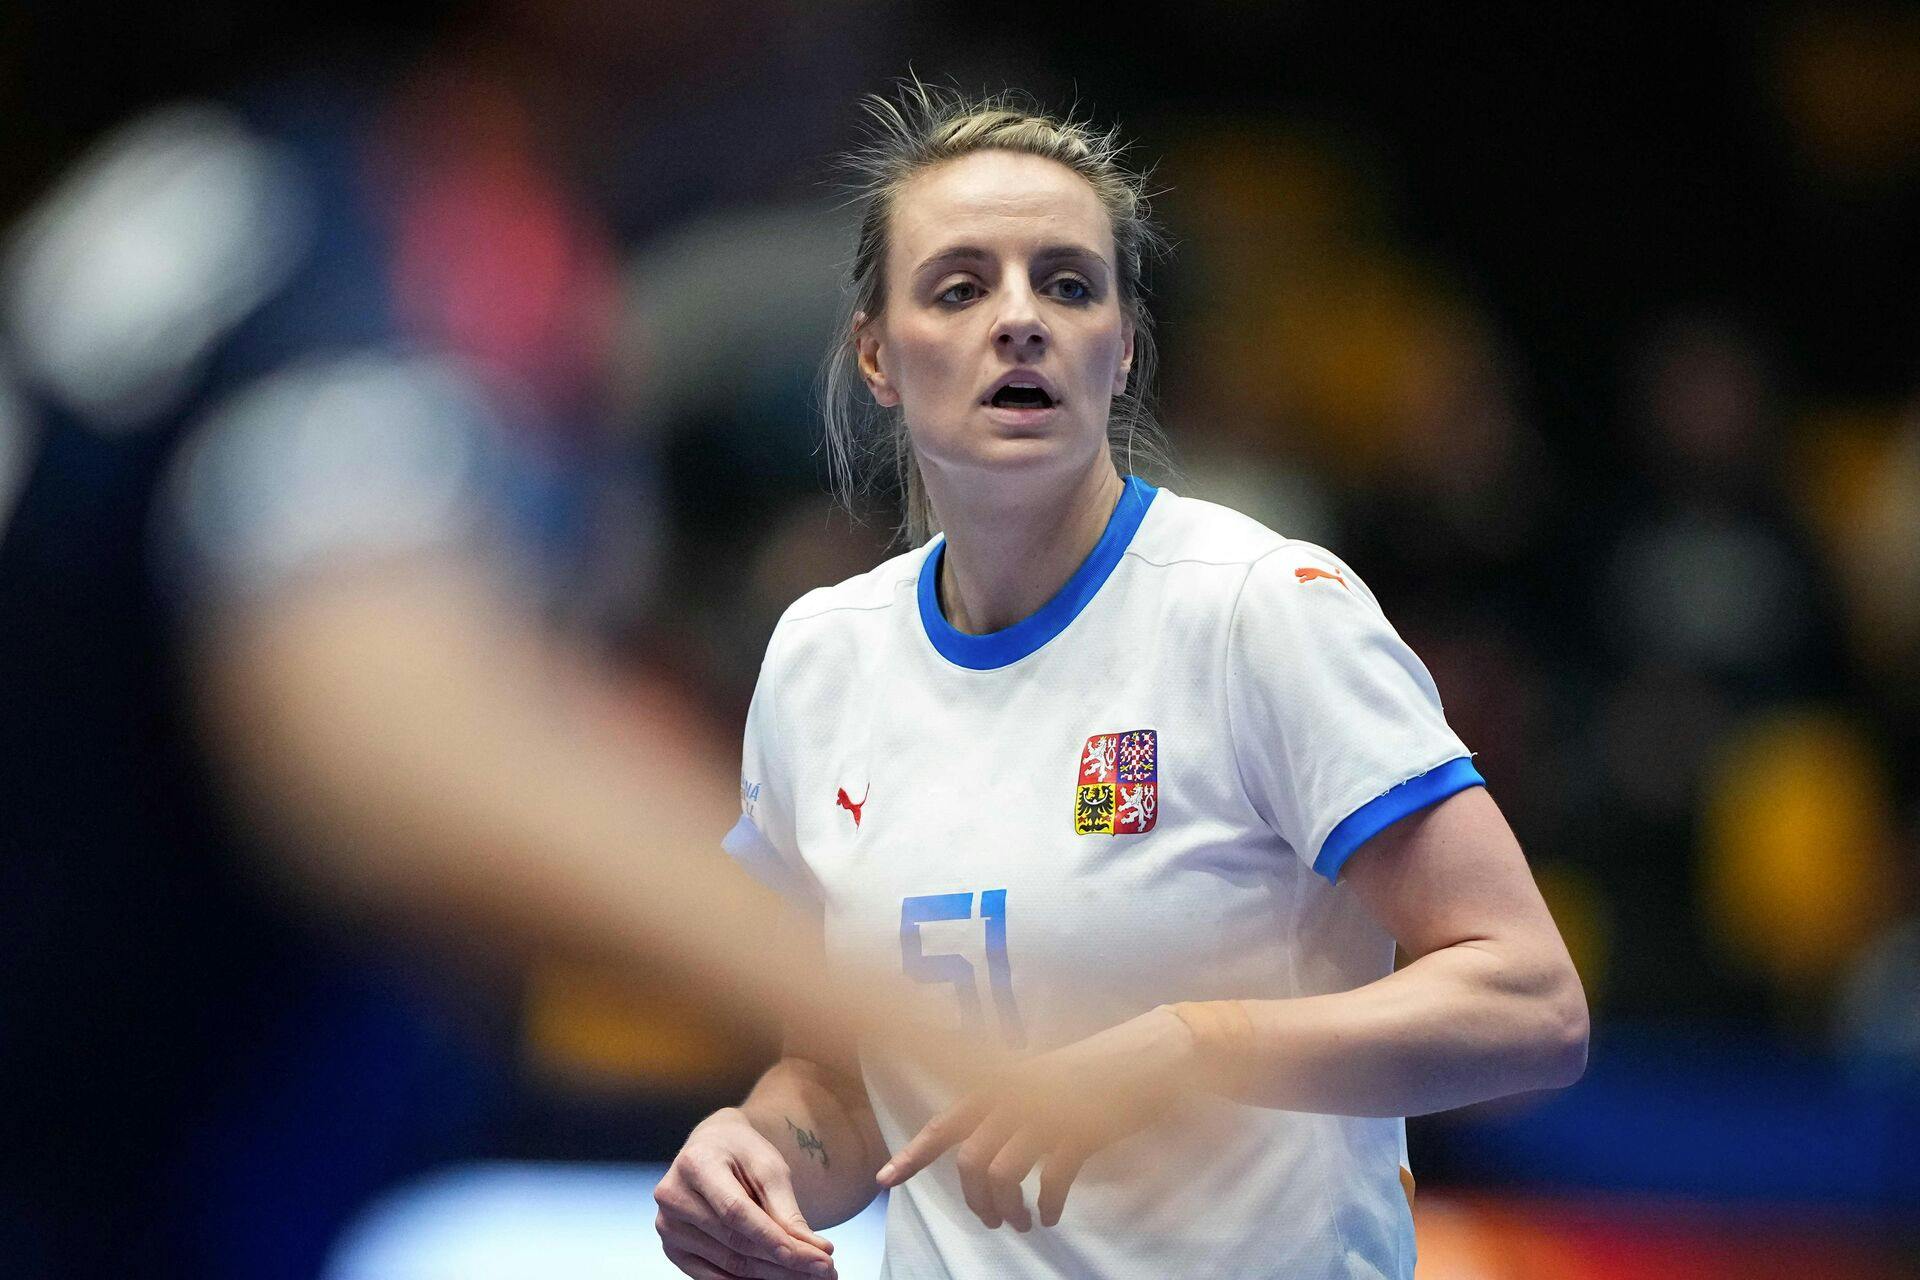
column 749, row 847
column 1381, row 812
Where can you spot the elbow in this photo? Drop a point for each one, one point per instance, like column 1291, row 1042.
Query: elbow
column 1566, row 1034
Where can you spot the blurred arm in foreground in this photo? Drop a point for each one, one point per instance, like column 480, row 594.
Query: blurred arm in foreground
column 427, row 753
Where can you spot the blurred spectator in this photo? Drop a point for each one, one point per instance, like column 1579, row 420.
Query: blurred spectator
column 1710, row 601
column 1710, row 571
column 724, row 326
column 1878, row 1023
column 725, row 321
column 1862, row 485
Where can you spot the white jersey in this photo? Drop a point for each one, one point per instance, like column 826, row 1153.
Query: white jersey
column 1141, row 794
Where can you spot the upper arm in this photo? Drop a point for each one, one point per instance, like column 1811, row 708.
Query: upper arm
column 1454, row 874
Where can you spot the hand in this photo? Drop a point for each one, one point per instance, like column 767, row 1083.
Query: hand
column 1055, row 1110
column 727, row 1210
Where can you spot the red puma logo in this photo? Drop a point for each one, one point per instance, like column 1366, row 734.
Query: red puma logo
column 854, row 806
column 1307, row 575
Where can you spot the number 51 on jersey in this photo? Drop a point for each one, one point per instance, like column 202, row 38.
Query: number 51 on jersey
column 956, row 970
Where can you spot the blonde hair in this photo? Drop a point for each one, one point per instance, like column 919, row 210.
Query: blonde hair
column 926, row 127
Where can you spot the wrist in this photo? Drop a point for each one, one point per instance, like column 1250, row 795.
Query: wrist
column 1174, row 1041
column 750, row 1116
column 1160, row 1050
column 1220, row 1038
column 727, row 1118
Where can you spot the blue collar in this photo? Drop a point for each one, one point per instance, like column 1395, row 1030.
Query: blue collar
column 1001, row 648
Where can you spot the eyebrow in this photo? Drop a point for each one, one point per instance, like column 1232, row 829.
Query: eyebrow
column 963, row 254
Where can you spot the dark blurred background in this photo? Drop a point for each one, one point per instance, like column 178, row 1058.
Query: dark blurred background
column 1591, row 339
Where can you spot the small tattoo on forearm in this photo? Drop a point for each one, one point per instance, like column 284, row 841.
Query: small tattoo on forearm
column 804, row 1139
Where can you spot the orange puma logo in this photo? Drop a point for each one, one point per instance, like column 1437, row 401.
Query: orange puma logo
column 853, row 806
column 1306, row 575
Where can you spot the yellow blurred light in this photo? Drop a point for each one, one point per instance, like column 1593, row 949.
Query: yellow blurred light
column 1839, row 457
column 1848, row 84
column 1798, row 852
column 594, row 1029
column 1857, row 475
column 1311, row 322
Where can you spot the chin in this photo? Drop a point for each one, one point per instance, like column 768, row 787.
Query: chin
column 1013, row 452
column 996, row 444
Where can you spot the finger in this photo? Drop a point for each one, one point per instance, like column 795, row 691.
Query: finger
column 698, row 1268
column 773, row 1188
column 745, row 1227
column 939, row 1133
column 680, row 1198
column 679, row 1202
column 1007, row 1170
column 974, row 1158
column 679, row 1235
column 1057, row 1173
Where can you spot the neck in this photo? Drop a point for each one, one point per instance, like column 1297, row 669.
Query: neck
column 1009, row 553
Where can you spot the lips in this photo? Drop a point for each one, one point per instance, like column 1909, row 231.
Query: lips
column 1021, row 390
column 1021, row 397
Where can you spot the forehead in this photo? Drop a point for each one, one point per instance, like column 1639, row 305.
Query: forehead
column 997, row 199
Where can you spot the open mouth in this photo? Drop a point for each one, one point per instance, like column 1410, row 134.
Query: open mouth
column 1021, row 396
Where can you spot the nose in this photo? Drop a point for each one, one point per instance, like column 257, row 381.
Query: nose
column 1019, row 331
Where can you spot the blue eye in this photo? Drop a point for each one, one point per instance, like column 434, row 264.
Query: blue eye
column 971, row 291
column 1073, row 289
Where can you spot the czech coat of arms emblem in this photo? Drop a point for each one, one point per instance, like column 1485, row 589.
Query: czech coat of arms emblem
column 1119, row 789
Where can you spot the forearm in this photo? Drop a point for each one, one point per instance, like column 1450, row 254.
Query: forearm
column 821, row 1121
column 423, row 754
column 1460, row 1025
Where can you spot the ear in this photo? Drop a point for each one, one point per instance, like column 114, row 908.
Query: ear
column 866, row 345
column 1126, row 361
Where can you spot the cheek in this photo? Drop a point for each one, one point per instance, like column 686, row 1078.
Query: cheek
column 925, row 366
column 1105, row 351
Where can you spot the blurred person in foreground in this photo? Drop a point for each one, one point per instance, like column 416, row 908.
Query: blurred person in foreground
column 282, row 378
column 1120, row 781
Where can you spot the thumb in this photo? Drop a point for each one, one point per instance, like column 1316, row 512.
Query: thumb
column 776, row 1192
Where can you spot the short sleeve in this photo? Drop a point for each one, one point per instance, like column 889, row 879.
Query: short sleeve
column 1336, row 725
column 764, row 840
column 329, row 460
